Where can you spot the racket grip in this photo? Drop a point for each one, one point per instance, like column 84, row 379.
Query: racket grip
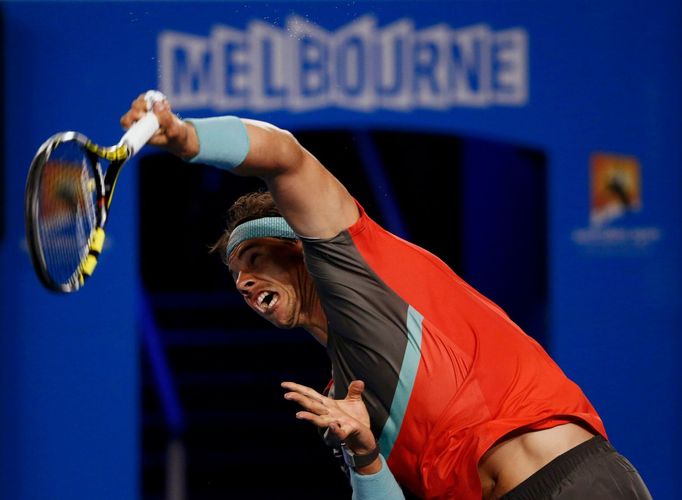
column 141, row 131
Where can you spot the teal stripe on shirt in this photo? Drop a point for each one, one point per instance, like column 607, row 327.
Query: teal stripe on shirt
column 408, row 372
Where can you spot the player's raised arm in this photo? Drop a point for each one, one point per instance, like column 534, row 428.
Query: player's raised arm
column 312, row 200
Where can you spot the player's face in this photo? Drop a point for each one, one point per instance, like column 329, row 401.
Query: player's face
column 271, row 276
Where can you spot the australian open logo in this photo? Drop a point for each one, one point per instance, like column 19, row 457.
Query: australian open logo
column 615, row 205
column 301, row 67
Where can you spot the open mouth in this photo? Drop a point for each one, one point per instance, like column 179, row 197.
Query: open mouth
column 266, row 300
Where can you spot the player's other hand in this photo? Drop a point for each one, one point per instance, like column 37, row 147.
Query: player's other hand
column 174, row 135
column 347, row 419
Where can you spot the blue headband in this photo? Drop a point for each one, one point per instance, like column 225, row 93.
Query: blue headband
column 265, row 227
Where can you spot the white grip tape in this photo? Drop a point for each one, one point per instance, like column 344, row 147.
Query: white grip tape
column 143, row 130
column 152, row 97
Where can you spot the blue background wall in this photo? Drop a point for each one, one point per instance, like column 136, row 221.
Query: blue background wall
column 603, row 76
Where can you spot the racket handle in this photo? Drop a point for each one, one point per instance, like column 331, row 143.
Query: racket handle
column 143, row 129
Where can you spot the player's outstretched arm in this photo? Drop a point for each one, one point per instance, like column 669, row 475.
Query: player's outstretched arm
column 312, row 200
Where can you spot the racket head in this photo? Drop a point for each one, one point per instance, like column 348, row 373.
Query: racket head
column 64, row 210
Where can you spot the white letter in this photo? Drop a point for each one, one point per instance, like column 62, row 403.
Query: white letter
column 392, row 64
column 430, row 66
column 312, row 72
column 231, row 71
column 272, row 74
column 469, row 68
column 352, row 65
column 184, row 72
column 510, row 67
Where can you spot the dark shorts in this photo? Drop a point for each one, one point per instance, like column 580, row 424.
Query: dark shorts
column 591, row 470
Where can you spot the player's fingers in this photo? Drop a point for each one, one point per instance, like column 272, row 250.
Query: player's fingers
column 313, row 405
column 163, row 112
column 302, row 389
column 171, row 127
column 318, row 420
column 128, row 119
column 139, row 104
column 355, row 389
column 138, row 108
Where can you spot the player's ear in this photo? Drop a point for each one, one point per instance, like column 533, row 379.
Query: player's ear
column 299, row 246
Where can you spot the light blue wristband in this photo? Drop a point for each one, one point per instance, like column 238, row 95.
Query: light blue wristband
column 223, row 141
column 379, row 486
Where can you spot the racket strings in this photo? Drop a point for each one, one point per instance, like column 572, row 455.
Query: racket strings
column 67, row 212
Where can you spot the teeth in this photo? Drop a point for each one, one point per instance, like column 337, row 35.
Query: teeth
column 263, row 306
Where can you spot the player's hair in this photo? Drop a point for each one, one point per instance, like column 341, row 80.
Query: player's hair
column 250, row 206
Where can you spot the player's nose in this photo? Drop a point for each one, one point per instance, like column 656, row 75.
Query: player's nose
column 244, row 283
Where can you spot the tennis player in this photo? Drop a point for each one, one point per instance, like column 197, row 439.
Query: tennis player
column 459, row 401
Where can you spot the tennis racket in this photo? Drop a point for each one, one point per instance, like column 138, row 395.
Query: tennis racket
column 68, row 196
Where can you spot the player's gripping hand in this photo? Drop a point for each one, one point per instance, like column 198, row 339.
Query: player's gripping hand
column 347, row 419
column 174, row 135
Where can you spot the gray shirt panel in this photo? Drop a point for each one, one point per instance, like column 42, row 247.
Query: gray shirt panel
column 367, row 322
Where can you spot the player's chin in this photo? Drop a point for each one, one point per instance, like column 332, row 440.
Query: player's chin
column 285, row 313
column 283, row 323
column 281, row 319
